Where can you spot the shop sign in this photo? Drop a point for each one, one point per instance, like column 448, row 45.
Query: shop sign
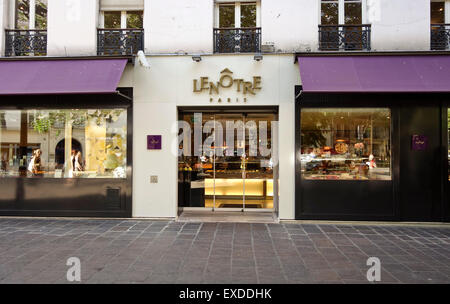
column 419, row 142
column 226, row 81
column 153, row 142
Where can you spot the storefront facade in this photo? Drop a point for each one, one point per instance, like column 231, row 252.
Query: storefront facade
column 220, row 121
column 65, row 136
column 372, row 144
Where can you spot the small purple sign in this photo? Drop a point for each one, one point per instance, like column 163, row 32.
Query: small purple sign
column 154, row 142
column 419, row 142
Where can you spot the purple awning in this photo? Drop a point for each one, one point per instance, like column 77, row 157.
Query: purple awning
column 423, row 73
column 60, row 76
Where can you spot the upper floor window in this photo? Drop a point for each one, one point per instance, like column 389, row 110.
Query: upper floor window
column 439, row 19
column 121, row 32
column 237, row 14
column 437, row 11
column 334, row 12
column 30, row 14
column 342, row 25
column 122, row 19
column 237, row 27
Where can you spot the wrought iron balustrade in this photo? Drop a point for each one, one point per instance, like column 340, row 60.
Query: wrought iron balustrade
column 237, row 40
column 25, row 43
column 440, row 36
column 355, row 37
column 119, row 41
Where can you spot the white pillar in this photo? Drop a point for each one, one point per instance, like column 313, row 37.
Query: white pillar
column 32, row 15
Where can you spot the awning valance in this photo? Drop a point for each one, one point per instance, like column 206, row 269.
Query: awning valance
column 82, row 76
column 420, row 73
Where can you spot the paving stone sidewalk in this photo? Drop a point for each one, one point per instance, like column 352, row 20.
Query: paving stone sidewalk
column 142, row 251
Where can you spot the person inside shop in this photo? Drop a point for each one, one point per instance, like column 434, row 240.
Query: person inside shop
column 372, row 164
column 35, row 163
column 77, row 162
column 4, row 161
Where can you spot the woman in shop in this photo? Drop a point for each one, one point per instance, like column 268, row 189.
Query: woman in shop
column 78, row 163
column 35, row 164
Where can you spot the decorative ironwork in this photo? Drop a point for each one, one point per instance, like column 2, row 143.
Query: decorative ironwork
column 344, row 37
column 237, row 40
column 25, row 43
column 119, row 41
column 440, row 36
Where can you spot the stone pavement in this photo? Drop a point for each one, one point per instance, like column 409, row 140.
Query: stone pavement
column 142, row 251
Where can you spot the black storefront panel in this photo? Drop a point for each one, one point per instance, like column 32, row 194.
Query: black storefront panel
column 420, row 170
column 417, row 190
column 95, row 182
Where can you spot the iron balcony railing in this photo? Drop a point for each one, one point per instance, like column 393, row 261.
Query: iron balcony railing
column 440, row 36
column 355, row 37
column 111, row 42
column 237, row 40
column 25, row 43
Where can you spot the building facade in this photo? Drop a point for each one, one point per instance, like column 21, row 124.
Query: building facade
column 312, row 109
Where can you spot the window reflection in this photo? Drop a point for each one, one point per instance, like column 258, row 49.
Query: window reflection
column 112, row 20
column 345, row 144
column 353, row 12
column 63, row 143
column 226, row 16
column 437, row 12
column 248, row 15
column 22, row 15
column 330, row 13
column 135, row 19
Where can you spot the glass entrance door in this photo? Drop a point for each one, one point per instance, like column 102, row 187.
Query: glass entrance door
column 226, row 161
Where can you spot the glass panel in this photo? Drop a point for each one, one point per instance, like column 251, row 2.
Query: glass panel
column 64, row 143
column 226, row 16
column 248, row 15
column 195, row 167
column 135, row 19
column 259, row 162
column 235, row 160
column 345, row 144
column 330, row 13
column 41, row 14
column 22, row 21
column 112, row 20
column 230, row 161
column 437, row 12
column 353, row 12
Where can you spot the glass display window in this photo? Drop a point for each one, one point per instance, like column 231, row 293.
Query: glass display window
column 63, row 143
column 345, row 143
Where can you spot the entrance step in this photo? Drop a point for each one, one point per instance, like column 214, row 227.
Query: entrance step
column 228, row 217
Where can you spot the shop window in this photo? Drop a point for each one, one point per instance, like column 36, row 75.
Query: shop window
column 345, row 144
column 31, row 14
column 90, row 143
column 122, row 19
